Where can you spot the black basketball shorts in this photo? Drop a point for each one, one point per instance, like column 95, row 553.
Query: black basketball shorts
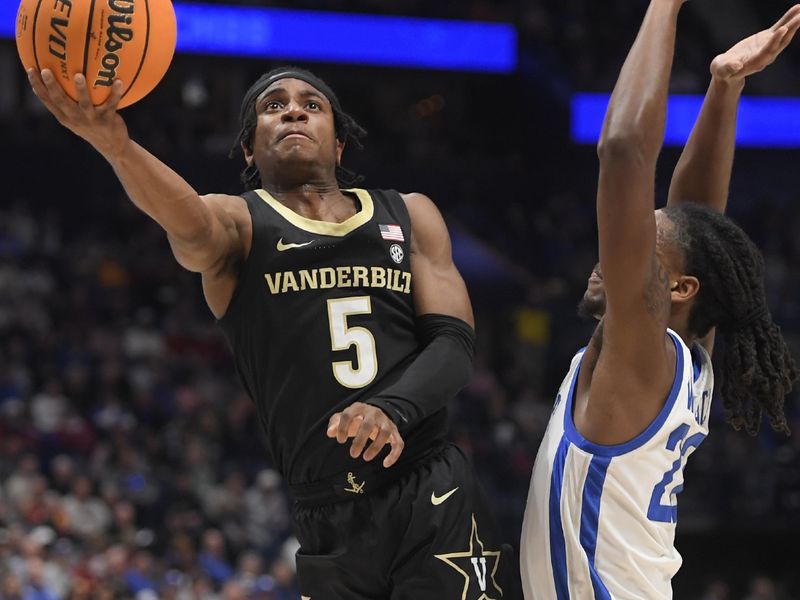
column 428, row 535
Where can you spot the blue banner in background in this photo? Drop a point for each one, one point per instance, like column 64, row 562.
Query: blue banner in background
column 764, row 122
column 347, row 38
column 335, row 37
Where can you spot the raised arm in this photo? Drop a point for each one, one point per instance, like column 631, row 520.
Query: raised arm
column 205, row 232
column 703, row 172
column 636, row 291
column 630, row 362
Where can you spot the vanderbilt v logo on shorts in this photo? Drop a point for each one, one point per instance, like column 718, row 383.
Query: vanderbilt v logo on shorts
column 477, row 565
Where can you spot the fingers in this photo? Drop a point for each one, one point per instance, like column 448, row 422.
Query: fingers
column 774, row 44
column 54, row 89
column 792, row 27
column 84, row 101
column 333, row 425
column 47, row 88
column 364, row 423
column 778, row 39
column 397, row 449
column 787, row 17
column 366, row 431
column 378, row 443
column 117, row 89
column 347, row 422
column 40, row 89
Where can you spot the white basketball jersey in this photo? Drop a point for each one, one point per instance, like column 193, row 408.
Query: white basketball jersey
column 600, row 520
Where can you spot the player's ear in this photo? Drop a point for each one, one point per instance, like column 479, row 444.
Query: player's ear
column 339, row 152
column 248, row 154
column 684, row 288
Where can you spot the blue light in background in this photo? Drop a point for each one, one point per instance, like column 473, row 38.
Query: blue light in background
column 347, row 38
column 764, row 122
column 335, row 37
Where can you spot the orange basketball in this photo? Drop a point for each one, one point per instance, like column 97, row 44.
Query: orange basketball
column 131, row 40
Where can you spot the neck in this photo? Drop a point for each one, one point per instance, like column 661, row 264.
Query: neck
column 318, row 201
column 680, row 325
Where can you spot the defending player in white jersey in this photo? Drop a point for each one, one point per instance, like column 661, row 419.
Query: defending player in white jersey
column 601, row 513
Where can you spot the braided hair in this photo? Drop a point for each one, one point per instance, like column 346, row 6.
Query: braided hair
column 757, row 367
column 348, row 131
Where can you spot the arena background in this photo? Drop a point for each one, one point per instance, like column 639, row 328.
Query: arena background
column 130, row 462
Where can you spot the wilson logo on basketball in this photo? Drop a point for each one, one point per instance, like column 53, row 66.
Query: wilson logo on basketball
column 116, row 35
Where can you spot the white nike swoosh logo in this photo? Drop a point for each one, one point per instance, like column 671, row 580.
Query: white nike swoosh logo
column 437, row 500
column 284, row 247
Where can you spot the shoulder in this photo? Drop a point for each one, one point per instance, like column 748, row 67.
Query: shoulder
column 429, row 231
column 234, row 215
column 233, row 206
column 416, row 202
column 427, row 222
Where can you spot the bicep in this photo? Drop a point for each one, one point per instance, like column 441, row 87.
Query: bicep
column 626, row 233
column 219, row 241
column 636, row 283
column 437, row 285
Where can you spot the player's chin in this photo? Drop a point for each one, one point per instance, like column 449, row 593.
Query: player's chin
column 298, row 159
column 593, row 303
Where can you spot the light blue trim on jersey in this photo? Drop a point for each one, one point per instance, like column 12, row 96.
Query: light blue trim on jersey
column 558, row 546
column 581, row 442
column 590, row 518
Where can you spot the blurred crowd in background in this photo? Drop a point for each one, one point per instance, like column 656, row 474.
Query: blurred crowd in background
column 131, row 465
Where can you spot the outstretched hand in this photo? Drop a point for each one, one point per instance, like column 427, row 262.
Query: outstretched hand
column 758, row 51
column 365, row 422
column 101, row 126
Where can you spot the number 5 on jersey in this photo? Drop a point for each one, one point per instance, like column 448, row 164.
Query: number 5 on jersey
column 365, row 369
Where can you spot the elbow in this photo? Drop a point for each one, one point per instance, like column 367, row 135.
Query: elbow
column 625, row 151
column 614, row 144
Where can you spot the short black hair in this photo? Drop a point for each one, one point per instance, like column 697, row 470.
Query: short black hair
column 348, row 131
column 758, row 370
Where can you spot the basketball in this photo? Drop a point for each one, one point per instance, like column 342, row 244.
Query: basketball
column 131, row 40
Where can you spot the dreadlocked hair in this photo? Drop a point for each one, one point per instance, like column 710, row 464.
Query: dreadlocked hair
column 757, row 367
column 348, row 131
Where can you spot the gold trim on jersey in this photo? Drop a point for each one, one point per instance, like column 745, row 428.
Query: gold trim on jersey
column 323, row 227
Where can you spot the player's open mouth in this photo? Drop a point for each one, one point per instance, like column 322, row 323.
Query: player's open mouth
column 295, row 135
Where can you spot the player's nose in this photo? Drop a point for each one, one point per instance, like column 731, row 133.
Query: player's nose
column 294, row 112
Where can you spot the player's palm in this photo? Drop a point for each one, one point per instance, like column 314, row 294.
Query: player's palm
column 758, row 51
column 101, row 126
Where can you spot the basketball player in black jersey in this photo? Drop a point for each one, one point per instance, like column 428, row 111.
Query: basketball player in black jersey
column 351, row 329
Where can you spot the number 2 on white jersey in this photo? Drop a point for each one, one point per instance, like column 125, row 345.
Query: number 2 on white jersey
column 342, row 337
column 668, row 513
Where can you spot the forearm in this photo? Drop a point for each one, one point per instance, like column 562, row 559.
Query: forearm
column 442, row 369
column 161, row 193
column 703, row 173
column 628, row 151
column 636, row 115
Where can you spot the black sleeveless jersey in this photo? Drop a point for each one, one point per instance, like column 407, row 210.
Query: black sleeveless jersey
column 323, row 317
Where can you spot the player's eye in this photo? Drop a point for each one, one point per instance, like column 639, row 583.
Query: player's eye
column 313, row 105
column 270, row 105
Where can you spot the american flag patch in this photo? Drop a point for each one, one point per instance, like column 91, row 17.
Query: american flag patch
column 392, row 232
